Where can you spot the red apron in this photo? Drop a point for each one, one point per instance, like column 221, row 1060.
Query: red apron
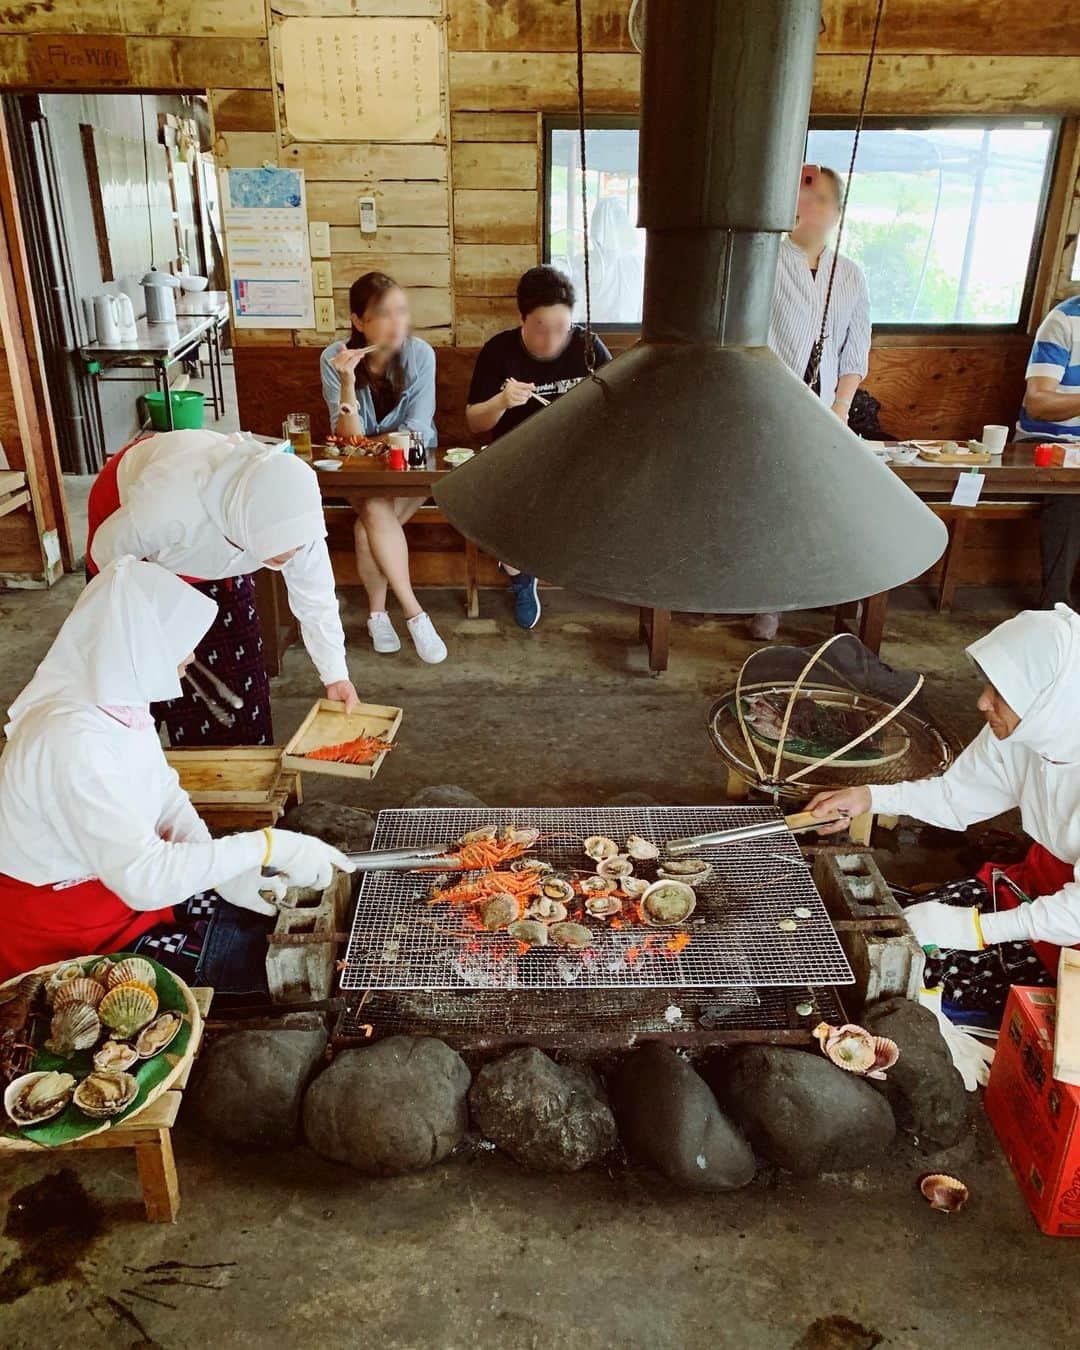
column 1040, row 873
column 39, row 924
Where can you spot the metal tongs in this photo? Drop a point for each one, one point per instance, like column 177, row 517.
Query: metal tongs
column 802, row 820
column 401, row 859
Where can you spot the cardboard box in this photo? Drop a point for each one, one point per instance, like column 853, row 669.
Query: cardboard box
column 1036, row 1117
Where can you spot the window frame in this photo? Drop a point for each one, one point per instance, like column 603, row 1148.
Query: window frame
column 1022, row 324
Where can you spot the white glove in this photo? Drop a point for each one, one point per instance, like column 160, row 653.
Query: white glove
column 305, row 860
column 950, row 927
column 971, row 1057
column 243, row 891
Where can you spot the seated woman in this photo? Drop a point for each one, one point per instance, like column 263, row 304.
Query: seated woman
column 213, row 509
column 100, row 848
column 383, row 379
column 1028, row 755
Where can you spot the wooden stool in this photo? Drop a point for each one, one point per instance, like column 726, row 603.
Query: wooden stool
column 148, row 1133
column 957, row 519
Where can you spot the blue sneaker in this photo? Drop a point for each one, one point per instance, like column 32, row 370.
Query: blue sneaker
column 526, row 599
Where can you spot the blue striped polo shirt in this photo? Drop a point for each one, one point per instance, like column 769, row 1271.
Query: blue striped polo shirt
column 1056, row 356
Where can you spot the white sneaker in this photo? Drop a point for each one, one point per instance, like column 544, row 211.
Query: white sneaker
column 429, row 645
column 381, row 630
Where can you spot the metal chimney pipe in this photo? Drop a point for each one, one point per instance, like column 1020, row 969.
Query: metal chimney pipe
column 725, row 97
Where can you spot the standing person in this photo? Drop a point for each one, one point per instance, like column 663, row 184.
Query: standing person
column 545, row 356
column 1051, row 411
column 368, row 393
column 803, row 268
column 1005, row 925
column 213, row 509
column 101, row 849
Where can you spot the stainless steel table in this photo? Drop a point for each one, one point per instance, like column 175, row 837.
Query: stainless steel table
column 158, row 346
column 214, row 304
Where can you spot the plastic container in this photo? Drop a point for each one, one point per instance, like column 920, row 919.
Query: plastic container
column 188, row 407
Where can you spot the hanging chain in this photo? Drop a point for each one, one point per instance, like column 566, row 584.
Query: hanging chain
column 590, row 340
column 813, row 369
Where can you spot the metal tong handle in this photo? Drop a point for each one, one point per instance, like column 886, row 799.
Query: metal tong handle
column 760, row 829
column 213, row 707
column 233, row 700
column 397, row 859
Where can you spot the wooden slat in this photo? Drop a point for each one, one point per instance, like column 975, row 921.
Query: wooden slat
column 431, row 306
column 242, row 109
column 489, row 126
column 210, row 18
column 487, row 216
column 258, row 337
column 395, row 203
column 524, row 25
column 440, row 336
column 368, row 162
column 389, row 239
column 495, row 165
column 159, row 1115
column 45, row 16
column 346, row 9
column 245, row 149
column 11, row 480
column 408, row 269
column 491, row 269
column 477, row 318
column 14, row 501
column 199, row 63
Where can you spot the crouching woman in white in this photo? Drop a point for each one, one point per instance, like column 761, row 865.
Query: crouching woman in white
column 100, row 848
column 1007, row 924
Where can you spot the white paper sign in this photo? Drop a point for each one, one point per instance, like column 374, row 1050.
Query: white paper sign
column 266, row 237
column 968, row 489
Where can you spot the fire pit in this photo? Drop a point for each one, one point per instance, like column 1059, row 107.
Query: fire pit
column 759, row 921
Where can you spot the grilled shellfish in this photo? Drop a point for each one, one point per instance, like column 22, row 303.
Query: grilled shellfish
column 849, row 1047
column 603, row 906
column 598, row 846
column 499, row 912
column 127, row 1008
column 531, row 865
column 667, row 903
column 641, row 850
column 158, row 1034
column 75, row 1027
column 597, row 885
column 571, row 935
column 105, row 1093
column 36, row 1097
column 634, row 887
column 693, row 871
column 556, row 888
column 529, row 931
column 115, row 1055
column 614, row 869
column 547, row 911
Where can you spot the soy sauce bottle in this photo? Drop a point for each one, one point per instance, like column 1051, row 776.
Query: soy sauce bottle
column 417, row 452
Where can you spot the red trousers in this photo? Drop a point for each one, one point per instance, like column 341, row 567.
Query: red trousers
column 1040, row 873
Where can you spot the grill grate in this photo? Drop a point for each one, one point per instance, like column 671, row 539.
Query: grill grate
column 398, row 942
column 594, row 1019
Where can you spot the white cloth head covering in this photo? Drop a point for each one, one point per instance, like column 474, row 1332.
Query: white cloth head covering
column 1033, row 661
column 266, row 501
column 122, row 643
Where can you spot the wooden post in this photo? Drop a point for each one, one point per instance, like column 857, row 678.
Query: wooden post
column 950, row 565
column 472, row 581
column 157, row 1174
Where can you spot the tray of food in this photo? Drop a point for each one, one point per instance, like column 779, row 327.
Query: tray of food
column 949, row 453
column 344, row 745
column 352, row 447
column 90, row 1042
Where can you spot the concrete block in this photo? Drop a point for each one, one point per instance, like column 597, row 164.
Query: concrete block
column 303, row 972
column 851, row 884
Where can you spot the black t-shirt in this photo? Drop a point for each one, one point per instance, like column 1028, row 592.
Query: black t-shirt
column 504, row 357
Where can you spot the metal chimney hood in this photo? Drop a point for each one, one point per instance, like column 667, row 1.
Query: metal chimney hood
column 696, row 472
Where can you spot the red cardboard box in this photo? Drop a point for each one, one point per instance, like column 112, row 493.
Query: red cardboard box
column 1037, row 1118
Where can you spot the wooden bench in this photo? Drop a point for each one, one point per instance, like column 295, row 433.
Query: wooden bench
column 149, row 1134
column 13, row 490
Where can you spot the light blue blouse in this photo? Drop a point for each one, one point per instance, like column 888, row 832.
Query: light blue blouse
column 416, row 409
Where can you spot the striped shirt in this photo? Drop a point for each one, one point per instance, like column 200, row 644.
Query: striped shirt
column 798, row 303
column 1056, row 356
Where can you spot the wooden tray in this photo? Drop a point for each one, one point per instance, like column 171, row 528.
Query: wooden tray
column 223, row 774
column 932, row 453
column 328, row 724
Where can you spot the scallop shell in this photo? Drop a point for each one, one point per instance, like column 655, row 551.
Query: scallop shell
column 571, row 935
column 603, row 906
column 131, row 968
column 100, row 971
column 633, row 886
column 598, row 847
column 481, row 835
column 547, row 911
column 128, row 1007
column 597, row 885
column 556, row 888
column 886, row 1053
column 667, row 903
column 522, row 835
column 849, row 1047
column 158, row 1034
column 531, row 865
column 115, row 1055
column 615, row 868
column 944, row 1192
column 691, row 870
column 66, row 971
column 530, row 931
column 36, row 1097
column 81, row 990
column 643, row 850
column 105, row 1093
column 75, row 1027
column 500, row 911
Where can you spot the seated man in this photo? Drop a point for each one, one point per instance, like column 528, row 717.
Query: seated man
column 1051, row 411
column 544, row 357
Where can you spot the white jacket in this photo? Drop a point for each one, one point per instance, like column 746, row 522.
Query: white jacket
column 211, row 506
column 84, row 795
column 1033, row 660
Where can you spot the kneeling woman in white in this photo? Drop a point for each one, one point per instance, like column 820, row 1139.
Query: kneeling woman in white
column 996, row 928
column 100, row 848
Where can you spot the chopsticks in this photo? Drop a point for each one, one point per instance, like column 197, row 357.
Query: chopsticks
column 545, row 401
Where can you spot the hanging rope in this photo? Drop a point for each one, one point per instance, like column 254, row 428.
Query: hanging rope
column 814, row 367
column 590, row 340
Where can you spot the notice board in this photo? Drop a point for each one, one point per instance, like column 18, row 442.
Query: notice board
column 266, row 235
column 361, row 79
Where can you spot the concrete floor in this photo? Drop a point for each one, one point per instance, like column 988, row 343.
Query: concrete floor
column 477, row 1251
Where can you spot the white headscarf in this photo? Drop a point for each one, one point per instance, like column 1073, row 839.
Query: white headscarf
column 1033, row 661
column 121, row 644
column 267, row 502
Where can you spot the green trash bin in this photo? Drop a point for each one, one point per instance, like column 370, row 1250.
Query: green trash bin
column 187, row 409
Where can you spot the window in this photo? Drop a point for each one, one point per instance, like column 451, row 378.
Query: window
column 945, row 217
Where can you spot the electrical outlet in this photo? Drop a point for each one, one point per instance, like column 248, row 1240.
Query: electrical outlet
column 324, row 314
column 319, row 238
column 322, row 278
column 369, row 222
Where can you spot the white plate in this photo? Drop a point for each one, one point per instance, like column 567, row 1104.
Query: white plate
column 458, row 455
column 328, row 465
